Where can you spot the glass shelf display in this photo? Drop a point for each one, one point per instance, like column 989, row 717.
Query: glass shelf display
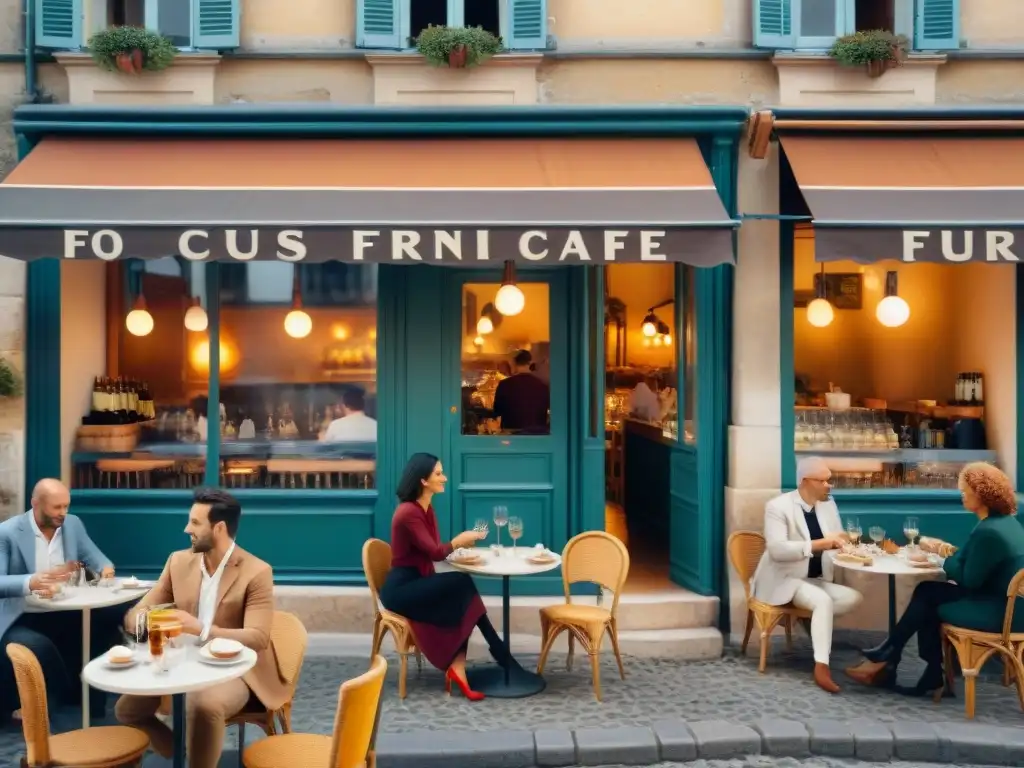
column 853, row 429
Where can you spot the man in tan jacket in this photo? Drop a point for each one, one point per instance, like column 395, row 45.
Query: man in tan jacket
column 219, row 590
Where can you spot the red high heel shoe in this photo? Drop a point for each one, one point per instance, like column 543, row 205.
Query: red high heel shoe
column 468, row 692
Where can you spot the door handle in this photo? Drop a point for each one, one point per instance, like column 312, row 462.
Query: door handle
column 454, row 409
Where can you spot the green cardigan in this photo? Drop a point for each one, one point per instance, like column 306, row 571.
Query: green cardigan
column 985, row 565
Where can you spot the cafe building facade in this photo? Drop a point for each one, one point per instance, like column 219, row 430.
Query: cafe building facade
column 893, row 237
column 183, row 262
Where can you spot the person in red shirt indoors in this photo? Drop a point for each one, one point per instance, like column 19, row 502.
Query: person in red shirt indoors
column 523, row 399
column 442, row 608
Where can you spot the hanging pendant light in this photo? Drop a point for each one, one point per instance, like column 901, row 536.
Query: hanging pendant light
column 649, row 327
column 509, row 299
column 892, row 311
column 819, row 311
column 297, row 323
column 195, row 317
column 139, row 322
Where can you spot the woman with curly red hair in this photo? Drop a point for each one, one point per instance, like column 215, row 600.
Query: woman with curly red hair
column 975, row 594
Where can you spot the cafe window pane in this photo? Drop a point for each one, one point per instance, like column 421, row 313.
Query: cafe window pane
column 506, row 362
column 887, row 396
column 298, row 376
column 132, row 417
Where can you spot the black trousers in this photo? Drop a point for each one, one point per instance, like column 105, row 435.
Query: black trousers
column 56, row 640
column 922, row 619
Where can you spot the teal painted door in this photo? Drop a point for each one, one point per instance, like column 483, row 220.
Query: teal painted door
column 527, row 473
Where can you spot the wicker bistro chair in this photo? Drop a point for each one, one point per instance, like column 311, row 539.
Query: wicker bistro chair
column 289, row 639
column 350, row 746
column 376, row 564
column 598, row 558
column 974, row 648
column 745, row 550
column 100, row 747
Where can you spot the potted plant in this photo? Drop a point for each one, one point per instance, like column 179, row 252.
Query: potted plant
column 875, row 49
column 457, row 47
column 10, row 381
column 131, row 50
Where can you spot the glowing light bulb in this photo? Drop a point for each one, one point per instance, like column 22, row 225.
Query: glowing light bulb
column 820, row 313
column 892, row 311
column 298, row 324
column 484, row 325
column 196, row 319
column 509, row 300
column 649, row 329
column 139, row 322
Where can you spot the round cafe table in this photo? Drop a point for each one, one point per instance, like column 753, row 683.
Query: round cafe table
column 186, row 674
column 86, row 599
column 513, row 682
column 890, row 566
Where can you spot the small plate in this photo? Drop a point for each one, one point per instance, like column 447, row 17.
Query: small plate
column 468, row 561
column 922, row 564
column 136, row 585
column 208, row 658
column 120, row 665
column 541, row 559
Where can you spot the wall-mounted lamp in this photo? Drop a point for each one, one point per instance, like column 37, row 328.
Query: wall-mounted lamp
column 651, row 325
column 892, row 311
column 819, row 311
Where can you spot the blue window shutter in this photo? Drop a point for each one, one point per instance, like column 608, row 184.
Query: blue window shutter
column 773, row 24
column 215, row 24
column 59, row 24
column 527, row 25
column 378, row 24
column 936, row 25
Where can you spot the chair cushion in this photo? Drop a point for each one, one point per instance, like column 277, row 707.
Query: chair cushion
column 103, row 745
column 289, row 750
column 571, row 613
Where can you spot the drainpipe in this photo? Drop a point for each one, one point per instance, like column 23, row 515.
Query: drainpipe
column 29, row 15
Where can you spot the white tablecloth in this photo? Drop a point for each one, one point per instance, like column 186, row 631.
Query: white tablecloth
column 503, row 562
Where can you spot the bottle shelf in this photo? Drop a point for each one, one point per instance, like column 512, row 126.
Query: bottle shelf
column 904, row 455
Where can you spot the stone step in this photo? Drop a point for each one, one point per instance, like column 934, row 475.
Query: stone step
column 691, row 644
column 349, row 609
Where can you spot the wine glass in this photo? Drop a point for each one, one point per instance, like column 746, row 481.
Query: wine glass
column 515, row 530
column 481, row 526
column 911, row 530
column 500, row 520
column 877, row 534
column 853, row 530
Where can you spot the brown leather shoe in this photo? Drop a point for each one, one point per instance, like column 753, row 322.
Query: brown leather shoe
column 868, row 673
column 823, row 677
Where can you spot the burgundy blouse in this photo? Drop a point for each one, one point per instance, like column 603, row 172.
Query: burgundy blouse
column 415, row 541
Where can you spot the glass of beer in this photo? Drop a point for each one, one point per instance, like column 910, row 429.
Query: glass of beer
column 158, row 636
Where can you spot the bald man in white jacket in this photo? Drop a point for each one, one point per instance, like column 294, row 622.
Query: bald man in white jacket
column 798, row 527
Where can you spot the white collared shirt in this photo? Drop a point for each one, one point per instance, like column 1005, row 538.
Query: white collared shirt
column 208, row 593
column 356, row 427
column 49, row 552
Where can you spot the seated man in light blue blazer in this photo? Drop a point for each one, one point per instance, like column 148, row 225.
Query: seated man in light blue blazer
column 36, row 550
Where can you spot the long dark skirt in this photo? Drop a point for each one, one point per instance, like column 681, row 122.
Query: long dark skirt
column 442, row 608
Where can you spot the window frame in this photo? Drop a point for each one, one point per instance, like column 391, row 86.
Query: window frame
column 99, row 12
column 845, row 21
column 397, row 37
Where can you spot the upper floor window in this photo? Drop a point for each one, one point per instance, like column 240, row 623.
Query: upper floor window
column 394, row 24
column 930, row 25
column 199, row 24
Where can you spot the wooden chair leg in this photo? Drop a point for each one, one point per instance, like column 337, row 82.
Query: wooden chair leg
column 747, row 631
column 378, row 638
column 613, row 633
column 551, row 633
column 403, row 672
column 595, row 671
column 788, row 621
column 572, row 649
column 970, row 692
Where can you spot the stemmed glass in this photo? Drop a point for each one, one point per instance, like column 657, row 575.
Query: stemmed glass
column 854, row 531
column 481, row 526
column 911, row 530
column 515, row 530
column 500, row 520
column 877, row 534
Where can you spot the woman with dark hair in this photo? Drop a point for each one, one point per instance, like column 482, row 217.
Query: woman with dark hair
column 975, row 595
column 442, row 608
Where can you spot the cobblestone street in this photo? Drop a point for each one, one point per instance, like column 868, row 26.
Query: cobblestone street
column 727, row 689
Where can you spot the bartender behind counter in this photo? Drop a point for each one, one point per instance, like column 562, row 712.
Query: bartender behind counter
column 522, row 400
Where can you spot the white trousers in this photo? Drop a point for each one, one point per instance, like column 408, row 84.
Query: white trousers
column 825, row 601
